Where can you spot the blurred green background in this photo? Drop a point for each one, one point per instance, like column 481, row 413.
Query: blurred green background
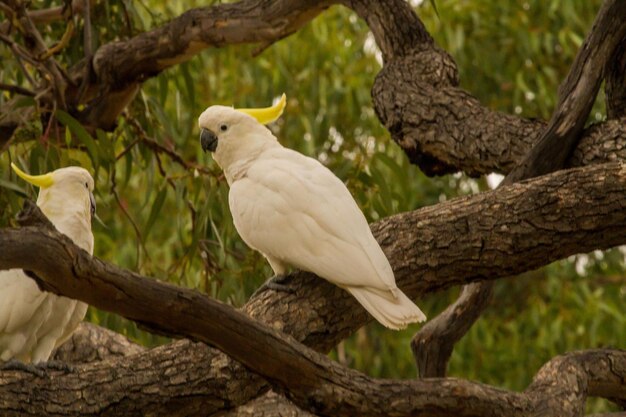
column 170, row 220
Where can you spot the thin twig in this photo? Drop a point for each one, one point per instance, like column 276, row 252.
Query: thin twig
column 5, row 8
column 21, row 54
column 46, row 134
column 140, row 244
column 153, row 144
column 88, row 51
column 18, row 50
column 57, row 79
column 45, row 16
column 156, row 146
column 65, row 40
column 127, row 149
column 163, row 173
column 87, row 30
column 16, row 89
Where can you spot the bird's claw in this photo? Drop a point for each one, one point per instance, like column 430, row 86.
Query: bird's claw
column 58, row 366
column 276, row 283
column 277, row 286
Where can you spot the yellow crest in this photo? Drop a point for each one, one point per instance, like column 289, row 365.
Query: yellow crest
column 268, row 114
column 42, row 181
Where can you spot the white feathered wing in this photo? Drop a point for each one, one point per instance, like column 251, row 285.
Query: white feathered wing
column 297, row 212
column 33, row 323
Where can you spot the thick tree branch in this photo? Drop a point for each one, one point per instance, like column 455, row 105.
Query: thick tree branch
column 109, row 81
column 443, row 129
column 486, row 236
column 269, row 405
column 90, row 343
column 432, row 345
column 577, row 375
column 455, row 132
column 396, row 28
column 577, row 93
column 576, row 96
column 310, row 379
column 430, row 75
column 120, row 67
column 616, row 83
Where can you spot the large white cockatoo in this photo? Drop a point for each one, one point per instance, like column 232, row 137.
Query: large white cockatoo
column 32, row 322
column 297, row 213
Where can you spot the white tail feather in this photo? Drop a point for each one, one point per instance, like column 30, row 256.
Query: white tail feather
column 395, row 314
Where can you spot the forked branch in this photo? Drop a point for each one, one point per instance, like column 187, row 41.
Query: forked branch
column 434, row 342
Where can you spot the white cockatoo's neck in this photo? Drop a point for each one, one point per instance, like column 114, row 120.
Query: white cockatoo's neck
column 70, row 216
column 235, row 160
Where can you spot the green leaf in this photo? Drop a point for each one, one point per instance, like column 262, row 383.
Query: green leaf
column 13, row 187
column 107, row 153
column 155, row 211
column 68, row 137
column 190, row 84
column 83, row 136
column 434, row 4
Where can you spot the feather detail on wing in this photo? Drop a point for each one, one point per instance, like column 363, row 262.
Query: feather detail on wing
column 292, row 208
column 395, row 314
column 23, row 310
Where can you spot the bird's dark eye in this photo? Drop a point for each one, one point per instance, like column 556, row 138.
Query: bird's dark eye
column 223, row 128
column 86, row 185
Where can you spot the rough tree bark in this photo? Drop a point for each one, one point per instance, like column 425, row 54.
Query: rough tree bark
column 451, row 244
column 91, row 343
column 486, row 236
column 616, row 83
column 433, row 344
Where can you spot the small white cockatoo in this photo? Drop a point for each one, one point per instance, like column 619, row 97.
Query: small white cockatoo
column 297, row 213
column 32, row 322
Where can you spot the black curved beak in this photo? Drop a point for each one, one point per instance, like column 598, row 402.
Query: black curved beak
column 208, row 140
